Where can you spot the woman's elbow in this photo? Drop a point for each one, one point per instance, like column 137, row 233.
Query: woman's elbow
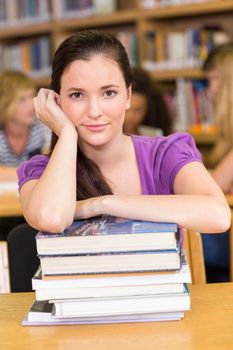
column 222, row 219
column 50, row 222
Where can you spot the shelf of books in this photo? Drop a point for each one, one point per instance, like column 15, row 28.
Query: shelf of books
column 110, row 270
column 167, row 9
column 170, row 39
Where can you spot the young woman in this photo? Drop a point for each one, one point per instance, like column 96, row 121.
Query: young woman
column 148, row 110
column 21, row 136
column 94, row 168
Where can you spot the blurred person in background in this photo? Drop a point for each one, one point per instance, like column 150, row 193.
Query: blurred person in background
column 21, row 135
column 148, row 113
column 219, row 71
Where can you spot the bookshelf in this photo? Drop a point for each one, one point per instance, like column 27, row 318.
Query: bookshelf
column 125, row 16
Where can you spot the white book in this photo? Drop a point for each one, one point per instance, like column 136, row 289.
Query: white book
column 111, row 291
column 122, row 305
column 109, row 280
column 109, row 263
column 40, row 314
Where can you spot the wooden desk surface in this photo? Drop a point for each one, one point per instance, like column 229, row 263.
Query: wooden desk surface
column 208, row 326
column 9, row 205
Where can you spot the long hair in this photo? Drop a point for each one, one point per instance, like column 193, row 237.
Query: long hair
column 221, row 60
column 83, row 46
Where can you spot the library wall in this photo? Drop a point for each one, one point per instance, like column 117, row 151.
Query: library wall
column 169, row 38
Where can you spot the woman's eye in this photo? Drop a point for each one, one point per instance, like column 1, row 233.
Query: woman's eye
column 110, row 93
column 76, row 95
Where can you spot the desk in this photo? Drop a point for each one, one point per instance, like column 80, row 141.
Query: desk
column 10, row 206
column 209, row 326
column 229, row 198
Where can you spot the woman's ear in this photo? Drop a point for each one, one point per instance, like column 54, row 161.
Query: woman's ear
column 58, row 100
column 129, row 94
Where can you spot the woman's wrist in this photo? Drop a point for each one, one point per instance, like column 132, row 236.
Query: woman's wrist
column 68, row 130
column 104, row 205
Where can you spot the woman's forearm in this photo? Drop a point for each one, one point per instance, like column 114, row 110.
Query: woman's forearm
column 203, row 213
column 51, row 204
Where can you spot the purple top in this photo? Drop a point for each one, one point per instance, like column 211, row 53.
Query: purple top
column 159, row 160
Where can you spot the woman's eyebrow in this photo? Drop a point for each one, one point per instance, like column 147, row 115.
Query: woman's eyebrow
column 102, row 88
column 109, row 86
column 75, row 89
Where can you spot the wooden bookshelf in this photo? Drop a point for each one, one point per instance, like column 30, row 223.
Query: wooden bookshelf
column 105, row 20
column 130, row 13
column 26, row 30
column 188, row 10
column 166, row 75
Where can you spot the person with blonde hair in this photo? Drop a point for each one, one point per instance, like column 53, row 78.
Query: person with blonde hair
column 219, row 71
column 21, row 135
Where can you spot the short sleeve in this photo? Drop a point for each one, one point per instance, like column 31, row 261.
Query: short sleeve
column 31, row 169
column 173, row 153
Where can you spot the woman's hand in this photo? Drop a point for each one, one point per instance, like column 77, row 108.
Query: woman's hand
column 49, row 112
column 89, row 208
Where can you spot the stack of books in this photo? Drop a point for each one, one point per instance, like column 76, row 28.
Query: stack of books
column 107, row 270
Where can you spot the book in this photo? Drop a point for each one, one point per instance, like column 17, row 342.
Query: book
column 66, row 289
column 113, row 262
column 40, row 314
column 111, row 284
column 151, row 303
column 109, row 234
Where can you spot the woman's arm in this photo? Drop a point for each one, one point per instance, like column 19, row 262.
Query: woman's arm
column 223, row 173
column 198, row 203
column 8, row 173
column 49, row 203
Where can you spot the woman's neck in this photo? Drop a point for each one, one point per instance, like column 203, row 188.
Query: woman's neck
column 108, row 155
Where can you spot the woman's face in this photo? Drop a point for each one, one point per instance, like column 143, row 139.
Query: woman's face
column 137, row 112
column 94, row 97
column 24, row 108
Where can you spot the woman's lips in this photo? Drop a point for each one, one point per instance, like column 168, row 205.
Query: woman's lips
column 95, row 127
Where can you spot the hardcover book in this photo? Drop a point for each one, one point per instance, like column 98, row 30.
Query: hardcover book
column 40, row 314
column 151, row 303
column 108, row 234
column 105, row 285
column 111, row 262
column 65, row 289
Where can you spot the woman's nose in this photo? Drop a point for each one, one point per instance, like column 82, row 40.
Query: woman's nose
column 94, row 110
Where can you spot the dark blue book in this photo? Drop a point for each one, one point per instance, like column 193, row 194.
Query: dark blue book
column 107, row 234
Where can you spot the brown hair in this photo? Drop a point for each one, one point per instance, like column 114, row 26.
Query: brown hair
column 157, row 115
column 83, row 46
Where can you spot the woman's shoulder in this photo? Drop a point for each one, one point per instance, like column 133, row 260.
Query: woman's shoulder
column 32, row 169
column 148, row 142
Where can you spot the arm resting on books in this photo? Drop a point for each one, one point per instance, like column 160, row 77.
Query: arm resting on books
column 198, row 203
